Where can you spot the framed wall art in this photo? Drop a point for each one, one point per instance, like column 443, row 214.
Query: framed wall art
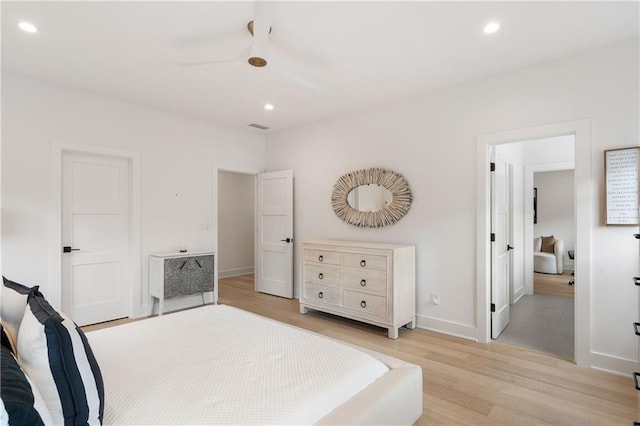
column 621, row 185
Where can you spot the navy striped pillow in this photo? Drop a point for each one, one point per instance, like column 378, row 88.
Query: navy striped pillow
column 56, row 355
column 21, row 403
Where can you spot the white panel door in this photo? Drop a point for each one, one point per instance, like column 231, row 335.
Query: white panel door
column 500, row 256
column 95, row 228
column 274, row 239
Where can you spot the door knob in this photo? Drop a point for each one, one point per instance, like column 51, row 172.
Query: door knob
column 510, row 247
column 287, row 240
column 68, row 249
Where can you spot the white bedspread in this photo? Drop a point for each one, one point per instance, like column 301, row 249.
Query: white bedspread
column 221, row 365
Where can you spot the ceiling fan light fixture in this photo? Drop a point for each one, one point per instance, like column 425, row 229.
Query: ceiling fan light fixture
column 257, row 61
column 268, row 107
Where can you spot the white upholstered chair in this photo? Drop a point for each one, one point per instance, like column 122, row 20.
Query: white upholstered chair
column 549, row 260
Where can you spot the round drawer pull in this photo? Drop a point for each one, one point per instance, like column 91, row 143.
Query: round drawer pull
column 363, row 283
column 363, row 263
column 320, row 295
column 363, row 304
column 321, row 275
column 320, row 258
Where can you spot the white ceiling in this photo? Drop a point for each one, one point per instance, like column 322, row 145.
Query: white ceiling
column 361, row 53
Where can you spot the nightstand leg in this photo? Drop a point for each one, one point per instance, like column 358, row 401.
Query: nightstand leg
column 303, row 309
column 412, row 324
column 160, row 306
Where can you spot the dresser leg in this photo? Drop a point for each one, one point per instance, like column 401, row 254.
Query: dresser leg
column 393, row 333
column 160, row 306
column 303, row 309
column 412, row 324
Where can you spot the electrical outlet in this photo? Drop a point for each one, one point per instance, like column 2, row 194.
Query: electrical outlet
column 435, row 299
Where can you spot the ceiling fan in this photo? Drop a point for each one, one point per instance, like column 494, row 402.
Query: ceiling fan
column 258, row 54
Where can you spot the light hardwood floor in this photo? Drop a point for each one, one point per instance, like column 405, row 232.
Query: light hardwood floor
column 555, row 285
column 467, row 382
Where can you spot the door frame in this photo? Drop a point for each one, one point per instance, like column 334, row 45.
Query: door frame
column 583, row 194
column 254, row 171
column 134, row 284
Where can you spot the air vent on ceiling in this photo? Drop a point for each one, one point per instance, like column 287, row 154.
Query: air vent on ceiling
column 258, row 126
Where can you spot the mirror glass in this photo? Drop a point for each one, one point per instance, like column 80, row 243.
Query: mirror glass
column 369, row 198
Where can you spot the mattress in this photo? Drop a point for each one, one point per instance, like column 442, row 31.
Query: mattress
column 221, row 365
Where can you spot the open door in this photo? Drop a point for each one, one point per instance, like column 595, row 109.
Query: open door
column 274, row 238
column 500, row 256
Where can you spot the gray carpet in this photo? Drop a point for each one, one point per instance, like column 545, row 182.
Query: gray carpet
column 542, row 322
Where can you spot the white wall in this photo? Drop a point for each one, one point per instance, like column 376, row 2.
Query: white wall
column 556, row 208
column 177, row 155
column 236, row 196
column 432, row 139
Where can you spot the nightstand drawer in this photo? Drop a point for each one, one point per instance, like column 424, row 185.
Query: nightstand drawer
column 365, row 303
column 322, row 294
column 321, row 256
column 363, row 261
column 368, row 280
column 322, row 274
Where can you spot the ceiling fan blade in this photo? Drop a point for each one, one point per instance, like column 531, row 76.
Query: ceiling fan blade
column 238, row 58
column 197, row 64
column 296, row 77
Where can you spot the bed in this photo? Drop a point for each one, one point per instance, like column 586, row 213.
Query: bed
column 220, row 365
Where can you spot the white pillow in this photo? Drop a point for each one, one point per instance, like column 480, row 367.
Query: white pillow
column 14, row 303
column 537, row 244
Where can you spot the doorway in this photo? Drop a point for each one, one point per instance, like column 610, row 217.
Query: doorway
column 95, row 231
column 236, row 230
column 542, row 304
column 272, row 228
column 580, row 129
column 96, row 164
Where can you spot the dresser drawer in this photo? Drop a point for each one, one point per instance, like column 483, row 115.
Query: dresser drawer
column 365, row 303
column 185, row 276
column 322, row 274
column 322, row 294
column 369, row 280
column 363, row 261
column 322, row 256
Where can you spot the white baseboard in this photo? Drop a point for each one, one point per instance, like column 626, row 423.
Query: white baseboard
column 613, row 364
column 144, row 311
column 235, row 272
column 451, row 328
column 518, row 294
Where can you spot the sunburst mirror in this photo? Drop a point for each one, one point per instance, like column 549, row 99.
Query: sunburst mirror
column 371, row 197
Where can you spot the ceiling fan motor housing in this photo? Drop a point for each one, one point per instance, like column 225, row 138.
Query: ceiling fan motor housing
column 257, row 61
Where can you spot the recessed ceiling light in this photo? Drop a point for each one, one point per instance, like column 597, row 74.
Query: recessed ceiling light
column 268, row 107
column 27, row 27
column 491, row 27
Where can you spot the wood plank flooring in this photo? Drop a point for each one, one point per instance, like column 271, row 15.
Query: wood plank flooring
column 467, row 382
column 555, row 285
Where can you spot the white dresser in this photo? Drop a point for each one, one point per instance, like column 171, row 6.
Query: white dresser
column 175, row 274
column 369, row 282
